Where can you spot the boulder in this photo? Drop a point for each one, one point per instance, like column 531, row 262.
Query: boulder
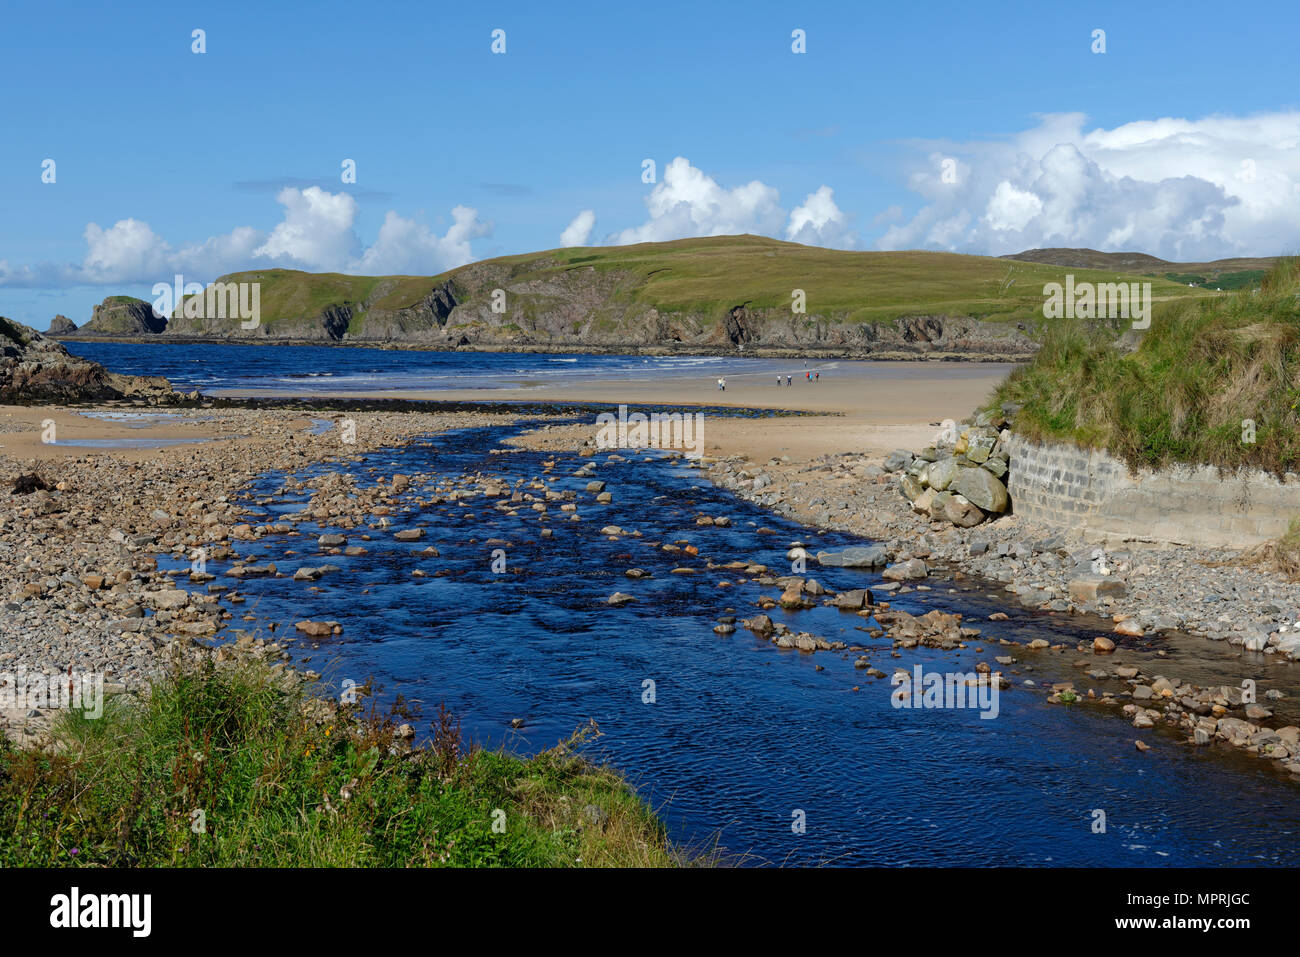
column 897, row 460
column 982, row 488
column 959, row 510
column 911, row 487
column 853, row 600
column 1089, row 588
column 942, row 473
column 909, row 570
column 858, row 556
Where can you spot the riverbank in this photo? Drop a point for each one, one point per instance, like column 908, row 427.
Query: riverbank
column 865, row 406
column 371, row 506
column 79, row 543
column 1180, row 634
column 231, row 764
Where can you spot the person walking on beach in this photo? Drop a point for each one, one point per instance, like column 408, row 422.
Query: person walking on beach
column 816, row 376
column 722, row 383
column 787, row 380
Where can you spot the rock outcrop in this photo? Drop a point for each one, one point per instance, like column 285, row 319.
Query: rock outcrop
column 124, row 316
column 60, row 326
column 961, row 477
column 36, row 368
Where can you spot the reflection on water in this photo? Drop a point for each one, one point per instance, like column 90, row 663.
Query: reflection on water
column 742, row 738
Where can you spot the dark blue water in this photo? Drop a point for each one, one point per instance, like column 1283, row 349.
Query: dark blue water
column 742, row 735
column 304, row 370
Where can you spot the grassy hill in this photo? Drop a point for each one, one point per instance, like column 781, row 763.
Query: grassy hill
column 691, row 294
column 1221, row 274
column 1188, row 390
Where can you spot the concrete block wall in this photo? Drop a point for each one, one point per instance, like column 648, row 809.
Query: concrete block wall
column 1071, row 488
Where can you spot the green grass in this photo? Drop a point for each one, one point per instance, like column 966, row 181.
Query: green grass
column 1185, row 394
column 278, row 787
column 709, row 276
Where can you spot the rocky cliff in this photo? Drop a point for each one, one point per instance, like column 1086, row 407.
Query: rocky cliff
column 744, row 294
column 36, row 368
column 123, row 316
column 61, row 325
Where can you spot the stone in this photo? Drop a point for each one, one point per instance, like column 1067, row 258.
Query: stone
column 170, row 599
column 870, row 556
column 1089, row 588
column 1102, row 646
column 910, row 570
column 897, row 460
column 409, row 535
column 620, row 598
column 853, row 599
column 962, row 512
column 941, row 474
column 982, row 488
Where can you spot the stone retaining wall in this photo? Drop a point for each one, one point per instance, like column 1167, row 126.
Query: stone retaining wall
column 1068, row 487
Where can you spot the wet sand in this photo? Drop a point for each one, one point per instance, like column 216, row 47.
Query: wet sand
column 867, row 407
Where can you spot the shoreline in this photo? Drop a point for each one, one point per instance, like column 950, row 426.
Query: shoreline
column 110, row 575
column 592, row 349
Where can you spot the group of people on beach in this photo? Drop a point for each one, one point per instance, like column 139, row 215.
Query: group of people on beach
column 809, row 376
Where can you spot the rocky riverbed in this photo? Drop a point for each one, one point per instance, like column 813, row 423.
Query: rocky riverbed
column 81, row 540
column 1147, row 597
column 81, row 536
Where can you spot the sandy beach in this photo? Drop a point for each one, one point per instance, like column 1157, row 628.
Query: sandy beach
column 866, row 407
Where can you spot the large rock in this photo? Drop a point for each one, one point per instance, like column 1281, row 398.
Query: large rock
column 36, row 368
column 942, row 473
column 961, row 512
column 979, row 446
column 124, row 316
column 910, row 570
column 60, row 326
column 1088, row 588
column 870, row 556
column 982, row 488
column 911, row 487
column 897, row 460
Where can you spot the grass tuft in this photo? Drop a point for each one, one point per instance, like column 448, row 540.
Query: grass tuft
column 220, row 766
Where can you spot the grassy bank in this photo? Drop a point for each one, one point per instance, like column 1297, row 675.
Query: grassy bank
column 1188, row 394
column 222, row 767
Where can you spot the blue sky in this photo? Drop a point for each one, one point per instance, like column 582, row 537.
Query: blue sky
column 1182, row 139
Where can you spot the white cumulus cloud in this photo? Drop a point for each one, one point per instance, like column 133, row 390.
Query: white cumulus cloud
column 579, row 230
column 687, row 202
column 410, row 248
column 819, row 222
column 317, row 232
column 1176, row 188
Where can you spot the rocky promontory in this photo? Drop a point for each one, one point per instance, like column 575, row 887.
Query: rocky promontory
column 36, row 368
column 122, row 316
column 61, row 325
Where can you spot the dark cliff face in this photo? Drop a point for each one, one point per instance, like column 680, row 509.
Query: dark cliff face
column 36, row 368
column 61, row 325
column 549, row 305
column 123, row 316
